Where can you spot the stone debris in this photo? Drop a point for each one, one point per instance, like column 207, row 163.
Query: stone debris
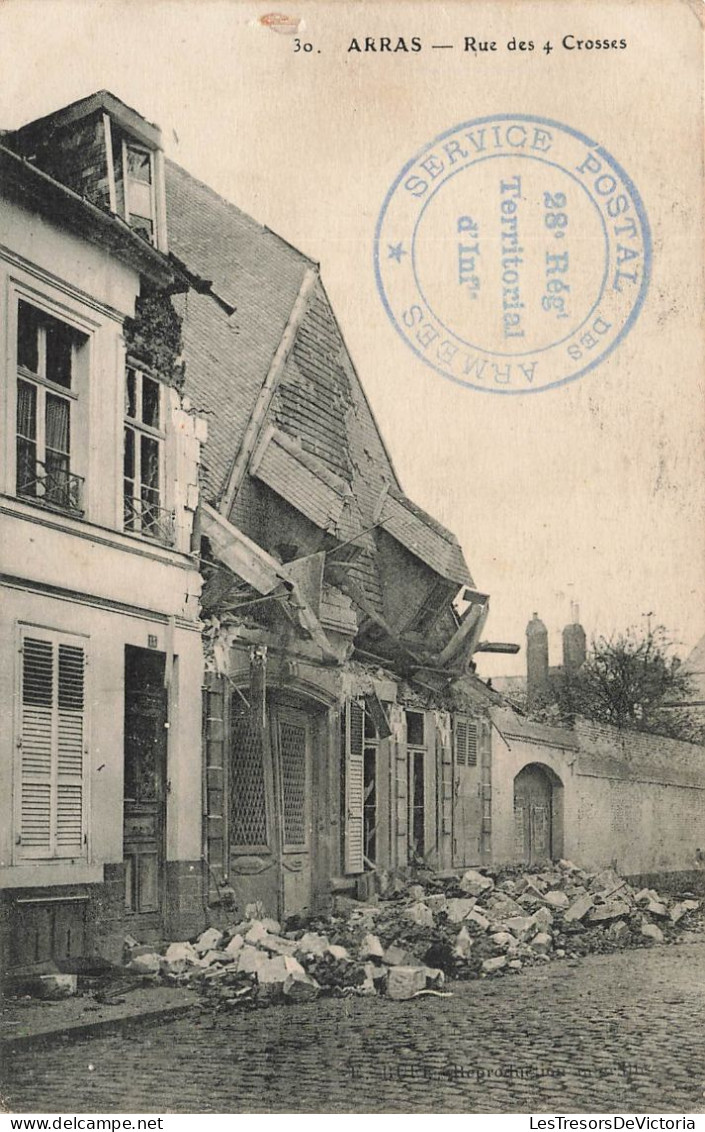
column 300, row 987
column 404, row 944
column 478, row 920
column 178, row 957
column 519, row 926
column 398, row 957
column 579, row 909
column 474, row 883
column 148, row 963
column 556, row 899
column 542, row 918
column 504, row 940
column 458, row 908
column 54, row 986
column 371, row 947
column 208, row 940
column 313, row 944
column 339, row 952
column 419, row 914
column 494, row 964
column 406, row 982
column 652, row 931
column 541, row 943
column 463, row 944
column 611, row 910
column 235, row 945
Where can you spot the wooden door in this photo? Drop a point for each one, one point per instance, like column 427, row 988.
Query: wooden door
column 291, row 748
column 146, row 711
column 532, row 815
column 467, row 805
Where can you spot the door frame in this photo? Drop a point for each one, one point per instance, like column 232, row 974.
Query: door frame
column 277, row 712
column 153, row 916
column 555, row 811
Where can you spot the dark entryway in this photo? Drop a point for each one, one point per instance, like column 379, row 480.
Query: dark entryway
column 533, row 815
column 146, row 714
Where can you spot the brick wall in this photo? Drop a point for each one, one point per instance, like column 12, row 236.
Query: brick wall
column 74, row 154
column 640, row 801
column 627, row 799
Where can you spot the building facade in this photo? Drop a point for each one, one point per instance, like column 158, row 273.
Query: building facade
column 100, row 650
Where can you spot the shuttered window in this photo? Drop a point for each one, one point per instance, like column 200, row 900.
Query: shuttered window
column 465, row 733
column 52, row 746
column 354, row 743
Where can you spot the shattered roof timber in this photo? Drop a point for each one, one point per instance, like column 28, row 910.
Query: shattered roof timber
column 288, row 471
column 408, row 525
column 250, row 562
column 239, row 553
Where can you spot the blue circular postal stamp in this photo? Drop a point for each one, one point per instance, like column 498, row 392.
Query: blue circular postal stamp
column 512, row 254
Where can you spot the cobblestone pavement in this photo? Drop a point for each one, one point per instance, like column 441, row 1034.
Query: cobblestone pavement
column 612, row 1033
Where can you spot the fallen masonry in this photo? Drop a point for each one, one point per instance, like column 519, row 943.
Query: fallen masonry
column 408, row 941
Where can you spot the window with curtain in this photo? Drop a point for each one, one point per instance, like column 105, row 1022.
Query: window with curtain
column 47, row 356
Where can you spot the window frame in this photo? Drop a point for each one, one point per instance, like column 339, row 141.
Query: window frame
column 239, row 717
column 74, row 395
column 140, row 429
column 53, row 856
column 370, row 746
column 129, row 144
column 413, row 750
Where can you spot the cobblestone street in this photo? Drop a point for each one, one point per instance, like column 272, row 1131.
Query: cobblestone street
column 612, row 1033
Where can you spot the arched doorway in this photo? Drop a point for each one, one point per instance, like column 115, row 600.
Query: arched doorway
column 536, row 814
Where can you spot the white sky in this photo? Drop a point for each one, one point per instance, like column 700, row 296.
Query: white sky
column 593, row 492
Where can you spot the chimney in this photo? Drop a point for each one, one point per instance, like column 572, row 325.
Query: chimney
column 536, row 660
column 574, row 650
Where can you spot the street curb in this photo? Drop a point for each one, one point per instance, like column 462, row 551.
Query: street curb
column 98, row 1028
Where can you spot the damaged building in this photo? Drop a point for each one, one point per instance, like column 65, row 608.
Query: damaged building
column 339, row 728
column 101, row 657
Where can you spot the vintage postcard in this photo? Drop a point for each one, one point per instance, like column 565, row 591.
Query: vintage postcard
column 352, row 499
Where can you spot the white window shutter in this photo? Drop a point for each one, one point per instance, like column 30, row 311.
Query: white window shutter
column 70, row 742
column 36, row 747
column 354, row 787
column 51, row 741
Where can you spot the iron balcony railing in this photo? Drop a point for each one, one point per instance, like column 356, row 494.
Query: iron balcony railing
column 145, row 517
column 53, row 487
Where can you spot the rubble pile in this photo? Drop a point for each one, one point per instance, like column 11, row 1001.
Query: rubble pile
column 483, row 923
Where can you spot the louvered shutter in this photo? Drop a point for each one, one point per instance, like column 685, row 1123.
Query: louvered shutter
column 354, row 787
column 36, row 748
column 52, row 742
column 70, row 743
column 461, row 741
column 465, row 737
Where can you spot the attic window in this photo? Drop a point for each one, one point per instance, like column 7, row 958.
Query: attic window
column 138, row 175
